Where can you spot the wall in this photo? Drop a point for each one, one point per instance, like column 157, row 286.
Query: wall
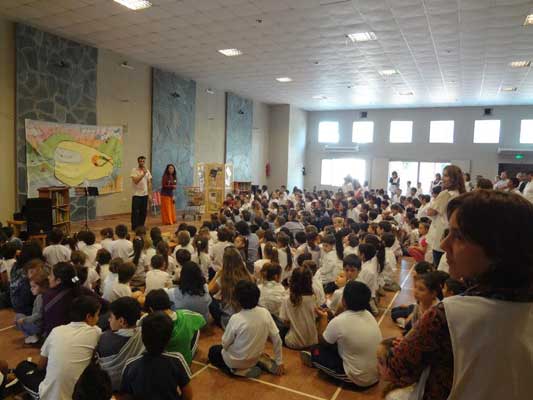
column 56, row 81
column 239, row 124
column 278, row 145
column 210, row 125
column 296, row 148
column 260, row 142
column 7, row 119
column 173, row 118
column 484, row 158
column 124, row 98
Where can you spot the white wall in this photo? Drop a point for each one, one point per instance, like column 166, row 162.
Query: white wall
column 484, row 158
column 278, row 145
column 260, row 142
column 210, row 122
column 296, row 148
column 124, row 97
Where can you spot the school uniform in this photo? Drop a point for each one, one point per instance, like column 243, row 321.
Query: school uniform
column 186, row 301
column 56, row 253
column 302, row 322
column 330, row 267
column 119, row 290
column 157, row 279
column 107, row 244
column 369, row 275
column 272, row 295
column 122, row 248
column 90, row 251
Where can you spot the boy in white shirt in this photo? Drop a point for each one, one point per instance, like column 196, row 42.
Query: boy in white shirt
column 356, row 335
column 272, row 291
column 107, row 239
column 122, row 247
column 65, row 354
column 330, row 265
column 56, row 252
column 244, row 340
column 157, row 278
column 351, row 265
column 121, row 288
column 90, row 249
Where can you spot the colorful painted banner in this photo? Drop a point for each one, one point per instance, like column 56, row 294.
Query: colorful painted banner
column 73, row 155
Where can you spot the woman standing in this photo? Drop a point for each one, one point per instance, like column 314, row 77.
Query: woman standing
column 168, row 185
column 394, row 183
column 456, row 351
column 453, row 185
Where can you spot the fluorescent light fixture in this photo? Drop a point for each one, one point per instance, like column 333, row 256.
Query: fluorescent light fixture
column 319, row 97
column 409, row 93
column 230, row 52
column 388, row 72
column 529, row 20
column 362, row 36
column 520, row 64
column 284, row 79
column 135, row 4
column 509, row 89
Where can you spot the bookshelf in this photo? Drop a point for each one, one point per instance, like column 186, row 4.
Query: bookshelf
column 60, row 205
column 242, row 187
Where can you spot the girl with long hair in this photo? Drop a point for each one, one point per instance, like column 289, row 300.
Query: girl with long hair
column 168, row 186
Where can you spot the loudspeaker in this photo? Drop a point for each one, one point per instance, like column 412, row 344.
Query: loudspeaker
column 39, row 215
column 487, row 112
column 364, row 114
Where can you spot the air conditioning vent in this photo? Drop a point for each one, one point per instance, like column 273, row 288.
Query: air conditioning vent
column 341, row 149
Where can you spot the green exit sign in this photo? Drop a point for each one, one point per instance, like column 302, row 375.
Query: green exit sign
column 518, row 156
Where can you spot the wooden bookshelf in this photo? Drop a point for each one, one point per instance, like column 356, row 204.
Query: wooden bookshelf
column 60, row 205
column 242, row 187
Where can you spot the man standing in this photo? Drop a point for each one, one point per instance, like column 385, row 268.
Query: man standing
column 528, row 190
column 141, row 180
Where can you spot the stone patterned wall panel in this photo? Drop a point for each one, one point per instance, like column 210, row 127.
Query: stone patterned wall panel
column 239, row 125
column 55, row 81
column 173, row 111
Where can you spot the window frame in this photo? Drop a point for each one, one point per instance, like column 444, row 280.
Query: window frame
column 400, row 121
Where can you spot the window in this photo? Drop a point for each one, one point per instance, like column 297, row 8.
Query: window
column 335, row 170
column 441, row 132
column 487, row 131
column 401, row 131
column 414, row 171
column 526, row 131
column 363, row 132
column 328, row 132
column 427, row 174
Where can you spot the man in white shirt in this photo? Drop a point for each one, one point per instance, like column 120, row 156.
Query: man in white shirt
column 503, row 182
column 528, row 189
column 141, row 180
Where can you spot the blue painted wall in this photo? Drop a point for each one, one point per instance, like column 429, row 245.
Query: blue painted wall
column 239, row 125
column 173, row 114
column 55, row 81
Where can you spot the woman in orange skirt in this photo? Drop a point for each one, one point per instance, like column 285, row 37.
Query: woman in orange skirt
column 168, row 185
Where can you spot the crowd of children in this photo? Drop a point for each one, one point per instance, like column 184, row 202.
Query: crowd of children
column 303, row 270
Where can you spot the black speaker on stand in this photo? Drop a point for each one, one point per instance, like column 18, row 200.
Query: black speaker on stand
column 38, row 215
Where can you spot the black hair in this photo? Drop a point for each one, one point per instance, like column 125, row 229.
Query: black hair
column 357, row 296
column 155, row 235
column 386, row 226
column 183, row 256
column 351, row 260
column 192, row 230
column 300, row 237
column 433, row 281
column 455, row 286
column 138, row 247
column 56, row 236
column 388, row 239
column 156, row 332
column 247, row 294
column 127, row 308
column 339, row 246
column 423, row 267
column 373, row 240
column 271, row 270
column 192, row 280
column 82, row 306
column 243, row 228
column 157, row 262
column 93, row 384
column 125, row 272
column 284, row 239
column 107, row 233
column 67, row 273
column 121, row 231
column 9, row 250
column 157, row 300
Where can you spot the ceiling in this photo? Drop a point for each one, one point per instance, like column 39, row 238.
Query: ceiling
column 447, row 52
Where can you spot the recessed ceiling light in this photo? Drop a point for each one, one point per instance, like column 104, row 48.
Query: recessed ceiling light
column 388, row 72
column 509, row 89
column 230, row 52
column 284, row 79
column 135, row 4
column 406, row 93
column 529, row 20
column 520, row 64
column 319, row 97
column 362, row 36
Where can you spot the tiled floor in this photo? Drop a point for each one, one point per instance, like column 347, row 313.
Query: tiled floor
column 299, row 382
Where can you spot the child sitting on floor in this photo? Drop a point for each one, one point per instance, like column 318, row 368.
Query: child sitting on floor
column 351, row 268
column 348, row 344
column 298, row 311
column 453, row 287
column 157, row 374
column 243, row 342
column 56, row 252
column 427, row 293
column 121, row 287
column 272, row 291
column 32, row 325
column 157, row 277
column 186, row 324
column 122, row 341
column 121, row 247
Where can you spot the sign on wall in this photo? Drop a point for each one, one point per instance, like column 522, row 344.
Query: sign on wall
column 73, row 155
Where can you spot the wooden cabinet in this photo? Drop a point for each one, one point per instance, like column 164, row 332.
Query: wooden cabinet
column 60, row 205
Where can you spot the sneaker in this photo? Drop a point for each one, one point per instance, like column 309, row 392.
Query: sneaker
column 266, row 363
column 31, row 339
column 306, row 358
column 252, row 372
column 401, row 322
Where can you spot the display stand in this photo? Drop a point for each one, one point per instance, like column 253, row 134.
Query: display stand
column 214, row 180
column 60, row 205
